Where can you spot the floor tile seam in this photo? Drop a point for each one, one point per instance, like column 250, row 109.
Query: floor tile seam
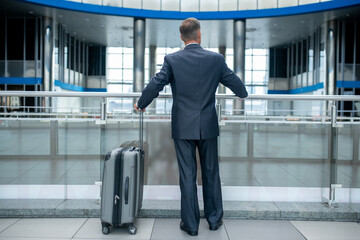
column 257, row 180
column 227, row 234
column 294, row 176
column 57, row 206
column 152, row 229
column 26, row 172
column 10, row 225
column 79, row 228
column 63, row 176
column 298, row 230
column 347, row 175
column 278, row 208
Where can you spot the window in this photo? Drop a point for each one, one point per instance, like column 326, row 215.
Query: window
column 2, row 39
column 293, row 63
column 256, row 79
column 304, row 56
column 97, row 61
column 66, row 51
column 119, row 76
column 298, row 53
column 15, row 38
column 39, row 25
column 349, row 42
column 30, row 39
column 72, row 53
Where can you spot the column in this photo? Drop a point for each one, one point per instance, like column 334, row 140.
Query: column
column 152, row 70
column 239, row 57
column 222, row 88
column 47, row 60
column 139, row 54
column 330, row 89
column 330, row 85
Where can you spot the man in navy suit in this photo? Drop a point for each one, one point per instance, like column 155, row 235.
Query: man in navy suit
column 194, row 75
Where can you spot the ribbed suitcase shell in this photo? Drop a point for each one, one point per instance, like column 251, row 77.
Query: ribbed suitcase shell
column 122, row 188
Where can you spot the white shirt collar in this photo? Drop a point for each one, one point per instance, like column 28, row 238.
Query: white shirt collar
column 191, row 44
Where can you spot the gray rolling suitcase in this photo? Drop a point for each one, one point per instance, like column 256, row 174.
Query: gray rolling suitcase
column 122, row 186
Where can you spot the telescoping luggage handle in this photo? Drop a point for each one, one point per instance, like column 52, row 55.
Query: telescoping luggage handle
column 141, row 132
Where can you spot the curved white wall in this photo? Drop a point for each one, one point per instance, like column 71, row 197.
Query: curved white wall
column 200, row 5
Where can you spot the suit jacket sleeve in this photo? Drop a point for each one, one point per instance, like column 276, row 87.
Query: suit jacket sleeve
column 156, row 84
column 232, row 81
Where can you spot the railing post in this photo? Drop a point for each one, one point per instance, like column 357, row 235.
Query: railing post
column 356, row 136
column 54, row 138
column 103, row 109
column 218, row 109
column 250, row 141
column 333, row 154
column 333, row 114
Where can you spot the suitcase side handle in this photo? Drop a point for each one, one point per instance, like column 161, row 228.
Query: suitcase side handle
column 127, row 190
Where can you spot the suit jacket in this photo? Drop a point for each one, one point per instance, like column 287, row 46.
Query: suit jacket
column 194, row 75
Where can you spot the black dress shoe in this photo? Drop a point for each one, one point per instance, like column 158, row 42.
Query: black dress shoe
column 191, row 233
column 216, row 227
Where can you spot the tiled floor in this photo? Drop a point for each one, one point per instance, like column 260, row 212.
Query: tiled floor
column 149, row 228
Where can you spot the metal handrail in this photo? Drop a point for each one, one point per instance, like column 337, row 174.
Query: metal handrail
column 169, row 95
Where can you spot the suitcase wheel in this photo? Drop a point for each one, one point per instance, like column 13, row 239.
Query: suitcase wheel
column 106, row 230
column 132, row 229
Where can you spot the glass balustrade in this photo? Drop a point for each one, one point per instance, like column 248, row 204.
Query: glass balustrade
column 63, row 151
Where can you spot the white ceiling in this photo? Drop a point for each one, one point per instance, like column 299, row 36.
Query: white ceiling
column 116, row 31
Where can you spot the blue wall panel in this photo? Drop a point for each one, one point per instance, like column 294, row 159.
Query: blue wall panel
column 71, row 87
column 20, row 81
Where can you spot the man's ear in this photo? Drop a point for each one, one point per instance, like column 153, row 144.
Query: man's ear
column 181, row 38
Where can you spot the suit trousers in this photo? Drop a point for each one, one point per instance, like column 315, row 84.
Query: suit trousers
column 186, row 155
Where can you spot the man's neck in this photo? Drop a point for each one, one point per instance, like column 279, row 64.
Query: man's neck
column 192, row 42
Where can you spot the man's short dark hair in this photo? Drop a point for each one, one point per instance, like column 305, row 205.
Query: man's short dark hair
column 189, row 29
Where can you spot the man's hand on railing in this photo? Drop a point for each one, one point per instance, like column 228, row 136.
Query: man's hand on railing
column 137, row 108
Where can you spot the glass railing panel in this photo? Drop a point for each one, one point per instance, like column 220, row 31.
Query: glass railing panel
column 79, row 138
column 29, row 165
column 347, row 169
column 291, row 141
column 233, row 141
column 24, row 137
column 283, row 156
column 353, row 173
column 160, row 159
column 79, row 144
column 162, row 163
column 67, row 149
column 345, row 142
